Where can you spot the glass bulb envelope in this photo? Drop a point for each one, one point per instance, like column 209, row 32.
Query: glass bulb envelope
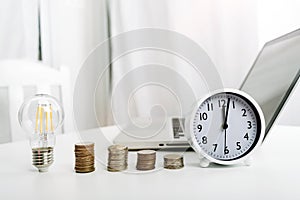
column 40, row 117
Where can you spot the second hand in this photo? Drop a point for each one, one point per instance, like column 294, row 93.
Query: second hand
column 225, row 125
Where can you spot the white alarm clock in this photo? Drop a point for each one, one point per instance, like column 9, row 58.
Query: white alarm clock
column 226, row 127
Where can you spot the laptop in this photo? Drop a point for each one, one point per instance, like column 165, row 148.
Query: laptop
column 270, row 81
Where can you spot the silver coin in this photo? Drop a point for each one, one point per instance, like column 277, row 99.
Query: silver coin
column 146, row 160
column 173, row 157
column 117, row 158
column 173, row 161
column 146, row 152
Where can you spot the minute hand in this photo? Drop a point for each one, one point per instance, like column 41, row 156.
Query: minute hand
column 225, row 125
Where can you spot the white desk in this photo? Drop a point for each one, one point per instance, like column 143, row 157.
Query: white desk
column 275, row 174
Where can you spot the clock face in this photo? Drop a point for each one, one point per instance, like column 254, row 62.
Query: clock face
column 226, row 126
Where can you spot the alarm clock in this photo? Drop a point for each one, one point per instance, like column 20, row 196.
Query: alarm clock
column 226, row 127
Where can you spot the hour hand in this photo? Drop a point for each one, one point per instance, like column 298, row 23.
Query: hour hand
column 224, row 114
column 225, row 125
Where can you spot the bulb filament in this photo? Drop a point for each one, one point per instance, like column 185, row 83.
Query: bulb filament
column 44, row 119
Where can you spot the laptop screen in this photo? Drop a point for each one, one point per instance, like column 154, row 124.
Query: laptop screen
column 274, row 74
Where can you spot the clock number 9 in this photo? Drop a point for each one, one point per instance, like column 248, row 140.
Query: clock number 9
column 199, row 127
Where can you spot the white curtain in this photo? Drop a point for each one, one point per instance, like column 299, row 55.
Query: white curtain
column 18, row 40
column 226, row 30
column 19, row 29
column 71, row 29
column 231, row 32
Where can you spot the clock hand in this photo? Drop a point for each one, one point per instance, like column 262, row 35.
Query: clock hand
column 225, row 125
column 225, row 134
column 224, row 114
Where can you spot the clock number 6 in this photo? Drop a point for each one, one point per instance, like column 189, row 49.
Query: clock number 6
column 226, row 150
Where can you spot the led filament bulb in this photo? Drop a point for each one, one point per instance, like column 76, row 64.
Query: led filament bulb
column 40, row 116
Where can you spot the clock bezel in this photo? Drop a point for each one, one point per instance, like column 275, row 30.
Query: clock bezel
column 257, row 142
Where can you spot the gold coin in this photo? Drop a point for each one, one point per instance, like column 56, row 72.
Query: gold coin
column 81, row 144
column 141, row 167
column 85, row 170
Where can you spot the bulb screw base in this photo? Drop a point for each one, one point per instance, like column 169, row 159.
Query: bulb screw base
column 42, row 158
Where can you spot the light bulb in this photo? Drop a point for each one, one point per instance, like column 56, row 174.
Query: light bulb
column 40, row 116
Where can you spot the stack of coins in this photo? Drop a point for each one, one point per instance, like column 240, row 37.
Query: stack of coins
column 173, row 161
column 84, row 157
column 146, row 160
column 117, row 158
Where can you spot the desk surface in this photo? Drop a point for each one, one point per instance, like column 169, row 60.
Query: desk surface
column 274, row 174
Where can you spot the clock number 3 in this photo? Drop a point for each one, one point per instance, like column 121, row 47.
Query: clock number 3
column 249, row 125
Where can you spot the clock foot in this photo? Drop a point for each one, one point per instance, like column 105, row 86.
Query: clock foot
column 248, row 161
column 204, row 162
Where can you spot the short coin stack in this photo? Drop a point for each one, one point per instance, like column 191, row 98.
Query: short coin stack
column 117, row 158
column 84, row 157
column 146, row 160
column 173, row 161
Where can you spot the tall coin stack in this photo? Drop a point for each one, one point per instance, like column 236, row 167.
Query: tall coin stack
column 84, row 157
column 173, row 161
column 146, row 160
column 117, row 158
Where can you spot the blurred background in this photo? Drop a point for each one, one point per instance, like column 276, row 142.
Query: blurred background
column 60, row 34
